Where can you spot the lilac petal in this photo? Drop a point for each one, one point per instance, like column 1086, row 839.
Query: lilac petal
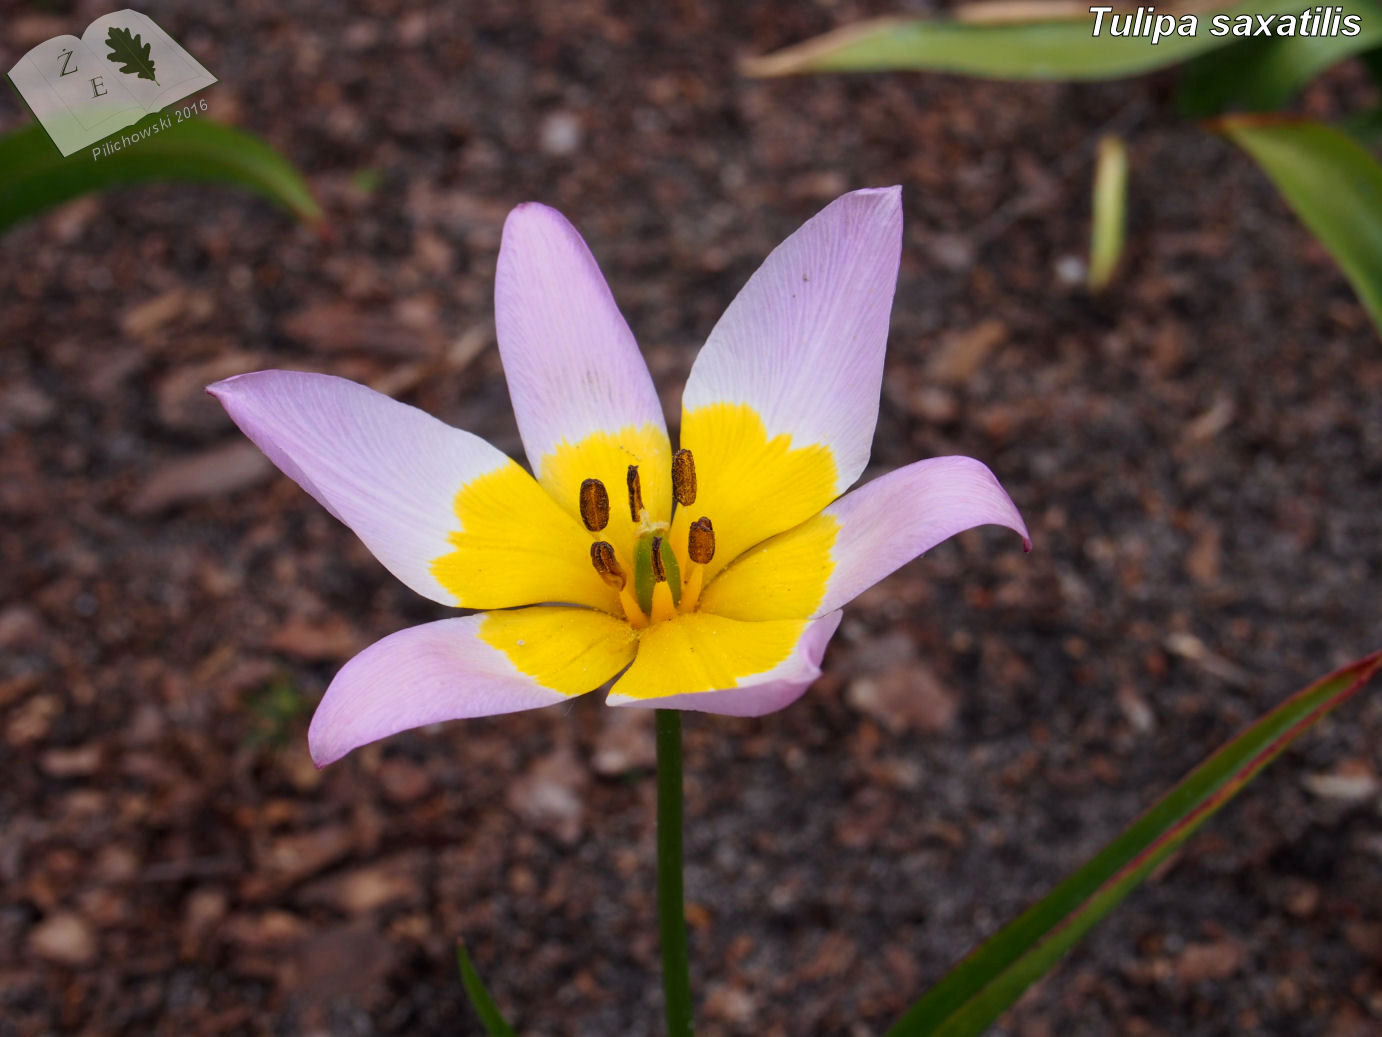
column 886, row 523
column 767, row 693
column 446, row 671
column 889, row 521
column 803, row 342
column 864, row 536
column 387, row 470
column 571, row 362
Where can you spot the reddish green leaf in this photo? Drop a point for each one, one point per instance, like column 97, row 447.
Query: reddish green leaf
column 975, row 992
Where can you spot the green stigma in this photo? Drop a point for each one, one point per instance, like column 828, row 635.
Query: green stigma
column 649, row 570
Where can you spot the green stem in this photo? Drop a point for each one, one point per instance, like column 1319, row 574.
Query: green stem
column 671, row 915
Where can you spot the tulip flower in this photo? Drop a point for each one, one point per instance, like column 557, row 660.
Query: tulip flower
column 709, row 578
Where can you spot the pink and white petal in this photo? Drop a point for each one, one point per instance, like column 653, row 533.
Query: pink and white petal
column 802, row 344
column 573, row 366
column 389, row 471
column 867, row 534
column 754, row 694
column 896, row 517
column 457, row 668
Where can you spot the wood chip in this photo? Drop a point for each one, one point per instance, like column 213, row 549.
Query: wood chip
column 329, row 640
column 905, row 698
column 1215, row 960
column 208, row 474
column 64, row 938
column 962, row 354
column 343, row 327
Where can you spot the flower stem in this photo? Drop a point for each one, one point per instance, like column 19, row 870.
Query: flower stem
column 671, row 915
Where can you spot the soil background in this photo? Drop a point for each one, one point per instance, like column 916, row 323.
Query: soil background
column 1198, row 453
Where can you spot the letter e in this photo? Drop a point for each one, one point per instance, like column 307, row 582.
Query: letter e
column 98, row 86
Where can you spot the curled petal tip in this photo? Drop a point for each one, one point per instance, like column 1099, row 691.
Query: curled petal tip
column 218, row 389
column 893, row 192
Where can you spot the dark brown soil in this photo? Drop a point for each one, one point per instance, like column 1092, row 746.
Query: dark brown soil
column 1198, row 453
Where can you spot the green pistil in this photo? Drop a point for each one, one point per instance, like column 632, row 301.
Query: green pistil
column 646, row 574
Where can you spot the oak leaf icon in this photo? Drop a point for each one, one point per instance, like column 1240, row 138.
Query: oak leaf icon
column 131, row 53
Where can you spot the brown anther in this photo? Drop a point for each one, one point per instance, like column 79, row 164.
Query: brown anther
column 659, row 570
column 594, row 505
column 684, row 477
column 602, row 557
column 635, row 494
column 700, row 541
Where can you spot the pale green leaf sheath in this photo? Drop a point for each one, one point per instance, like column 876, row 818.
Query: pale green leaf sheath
column 1331, row 183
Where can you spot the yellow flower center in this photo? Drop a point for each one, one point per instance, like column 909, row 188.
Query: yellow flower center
column 658, row 589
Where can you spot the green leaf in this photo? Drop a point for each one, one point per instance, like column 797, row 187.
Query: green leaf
column 131, row 53
column 1110, row 217
column 485, row 1008
column 1365, row 127
column 1262, row 74
column 1046, row 48
column 33, row 176
column 1331, row 183
column 975, row 992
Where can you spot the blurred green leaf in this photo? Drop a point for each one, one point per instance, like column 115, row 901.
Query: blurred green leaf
column 276, row 709
column 1365, row 127
column 1263, row 74
column 34, row 176
column 366, row 181
column 1110, row 216
column 1331, row 183
column 977, row 990
column 490, row 1017
column 1031, row 48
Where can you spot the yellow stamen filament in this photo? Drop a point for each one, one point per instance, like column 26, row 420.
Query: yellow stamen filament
column 691, row 586
column 602, row 557
column 635, row 494
column 632, row 612
column 594, row 505
column 664, row 607
column 700, row 549
column 684, row 477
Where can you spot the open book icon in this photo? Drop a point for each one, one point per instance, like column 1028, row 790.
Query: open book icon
column 123, row 67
